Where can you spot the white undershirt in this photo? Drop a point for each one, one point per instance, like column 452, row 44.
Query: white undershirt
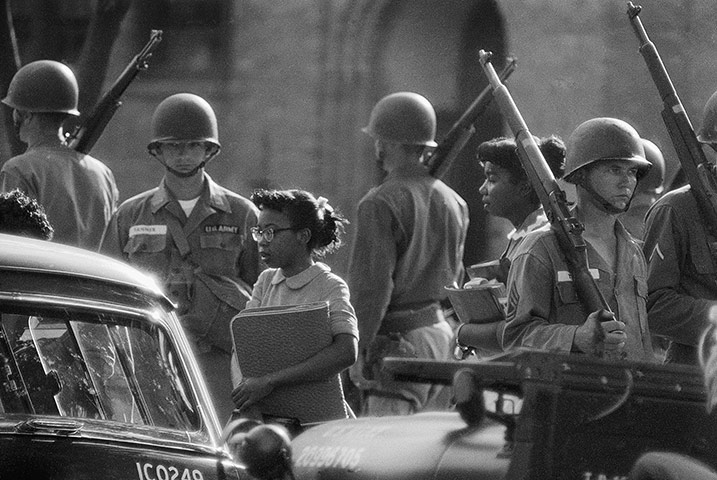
column 188, row 205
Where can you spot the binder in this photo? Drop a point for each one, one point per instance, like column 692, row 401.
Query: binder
column 481, row 304
column 267, row 339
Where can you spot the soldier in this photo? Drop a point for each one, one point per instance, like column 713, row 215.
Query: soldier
column 409, row 242
column 604, row 159
column 193, row 234
column 77, row 191
column 682, row 274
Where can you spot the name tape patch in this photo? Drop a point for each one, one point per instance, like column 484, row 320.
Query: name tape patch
column 147, row 230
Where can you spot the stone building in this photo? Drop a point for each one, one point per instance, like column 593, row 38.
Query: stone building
column 293, row 82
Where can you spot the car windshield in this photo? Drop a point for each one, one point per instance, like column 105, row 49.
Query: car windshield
column 91, row 365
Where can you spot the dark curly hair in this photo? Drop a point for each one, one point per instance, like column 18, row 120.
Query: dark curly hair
column 304, row 210
column 22, row 215
column 503, row 151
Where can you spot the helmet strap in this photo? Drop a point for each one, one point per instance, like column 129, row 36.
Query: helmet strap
column 607, row 206
column 188, row 174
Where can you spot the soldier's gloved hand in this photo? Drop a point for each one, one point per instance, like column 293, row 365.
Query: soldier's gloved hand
column 600, row 333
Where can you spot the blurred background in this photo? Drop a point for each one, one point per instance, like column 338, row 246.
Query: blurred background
column 293, row 81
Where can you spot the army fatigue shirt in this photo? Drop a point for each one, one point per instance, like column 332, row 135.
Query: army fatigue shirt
column 223, row 253
column 77, row 191
column 682, row 276
column 543, row 307
column 409, row 242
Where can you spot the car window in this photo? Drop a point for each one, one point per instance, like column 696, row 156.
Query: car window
column 92, row 365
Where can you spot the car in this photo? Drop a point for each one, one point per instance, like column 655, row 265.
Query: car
column 550, row 415
column 97, row 377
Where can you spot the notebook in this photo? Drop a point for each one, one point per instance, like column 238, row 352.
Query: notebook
column 267, row 339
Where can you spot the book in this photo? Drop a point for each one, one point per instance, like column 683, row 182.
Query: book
column 478, row 304
column 267, row 339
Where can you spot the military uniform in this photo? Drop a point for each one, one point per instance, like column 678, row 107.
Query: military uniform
column 410, row 237
column 78, row 192
column 207, row 263
column 544, row 310
column 682, row 274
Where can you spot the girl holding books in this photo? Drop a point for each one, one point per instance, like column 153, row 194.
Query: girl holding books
column 294, row 229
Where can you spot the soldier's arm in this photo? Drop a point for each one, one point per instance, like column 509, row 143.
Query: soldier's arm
column 373, row 261
column 671, row 311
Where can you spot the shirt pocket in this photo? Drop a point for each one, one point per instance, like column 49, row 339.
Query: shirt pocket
column 220, row 241
column 566, row 292
column 145, row 244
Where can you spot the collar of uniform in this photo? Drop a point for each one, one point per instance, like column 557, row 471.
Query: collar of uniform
column 408, row 170
column 535, row 220
column 300, row 279
column 217, row 200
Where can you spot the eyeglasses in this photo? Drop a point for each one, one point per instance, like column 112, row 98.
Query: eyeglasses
column 267, row 234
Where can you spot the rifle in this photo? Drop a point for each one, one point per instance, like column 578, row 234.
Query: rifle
column 699, row 171
column 567, row 228
column 448, row 149
column 86, row 134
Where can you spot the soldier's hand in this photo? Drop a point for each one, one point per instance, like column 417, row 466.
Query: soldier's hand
column 600, row 333
column 356, row 374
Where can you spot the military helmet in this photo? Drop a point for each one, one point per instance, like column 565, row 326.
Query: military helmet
column 603, row 138
column 654, row 179
column 708, row 130
column 184, row 117
column 43, row 86
column 403, row 117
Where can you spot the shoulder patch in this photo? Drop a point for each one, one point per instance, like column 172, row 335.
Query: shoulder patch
column 656, row 251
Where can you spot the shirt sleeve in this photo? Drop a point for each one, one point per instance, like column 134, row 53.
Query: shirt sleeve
column 112, row 243
column 371, row 268
column 10, row 179
column 671, row 311
column 342, row 317
column 530, row 312
column 249, row 263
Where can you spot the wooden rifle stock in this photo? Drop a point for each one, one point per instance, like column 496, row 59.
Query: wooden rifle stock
column 699, row 171
column 86, row 134
column 567, row 228
column 448, row 149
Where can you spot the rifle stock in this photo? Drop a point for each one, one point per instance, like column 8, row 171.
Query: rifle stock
column 567, row 228
column 86, row 134
column 462, row 131
column 699, row 171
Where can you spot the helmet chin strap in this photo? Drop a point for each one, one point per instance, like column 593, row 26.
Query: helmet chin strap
column 188, row 174
column 604, row 204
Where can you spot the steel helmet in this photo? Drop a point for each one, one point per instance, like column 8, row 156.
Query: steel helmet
column 603, row 138
column 403, row 117
column 654, row 180
column 184, row 117
column 43, row 86
column 708, row 129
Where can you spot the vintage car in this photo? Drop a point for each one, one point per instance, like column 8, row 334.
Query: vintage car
column 524, row 415
column 97, row 377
